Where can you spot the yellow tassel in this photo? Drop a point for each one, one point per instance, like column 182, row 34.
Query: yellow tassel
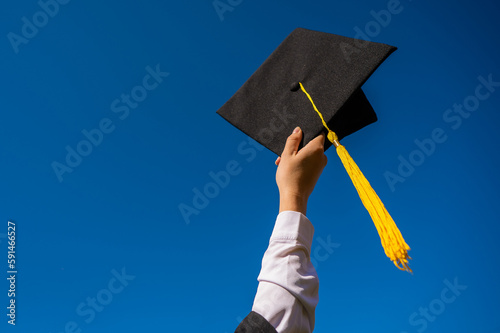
column 393, row 243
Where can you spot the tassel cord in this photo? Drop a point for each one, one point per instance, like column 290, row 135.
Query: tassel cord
column 391, row 238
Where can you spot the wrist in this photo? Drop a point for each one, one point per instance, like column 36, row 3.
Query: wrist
column 293, row 202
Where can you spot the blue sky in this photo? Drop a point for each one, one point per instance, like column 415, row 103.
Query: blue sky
column 101, row 242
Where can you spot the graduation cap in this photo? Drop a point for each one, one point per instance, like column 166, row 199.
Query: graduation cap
column 313, row 80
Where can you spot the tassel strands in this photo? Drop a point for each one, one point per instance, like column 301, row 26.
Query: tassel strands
column 392, row 241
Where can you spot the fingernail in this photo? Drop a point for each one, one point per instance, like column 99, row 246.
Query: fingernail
column 296, row 130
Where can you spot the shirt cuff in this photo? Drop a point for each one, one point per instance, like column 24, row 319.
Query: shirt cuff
column 291, row 225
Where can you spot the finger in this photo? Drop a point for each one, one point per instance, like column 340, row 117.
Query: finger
column 293, row 142
column 321, row 138
column 317, row 142
column 278, row 160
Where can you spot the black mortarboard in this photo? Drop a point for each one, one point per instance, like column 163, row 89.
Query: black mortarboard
column 313, row 80
column 332, row 68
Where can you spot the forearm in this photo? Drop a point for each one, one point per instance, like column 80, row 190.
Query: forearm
column 288, row 284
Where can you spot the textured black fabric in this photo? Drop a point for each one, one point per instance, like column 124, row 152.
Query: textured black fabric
column 255, row 323
column 332, row 69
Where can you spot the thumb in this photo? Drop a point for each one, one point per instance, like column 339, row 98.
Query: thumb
column 293, row 142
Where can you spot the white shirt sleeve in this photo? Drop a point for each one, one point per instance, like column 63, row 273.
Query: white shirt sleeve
column 287, row 294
